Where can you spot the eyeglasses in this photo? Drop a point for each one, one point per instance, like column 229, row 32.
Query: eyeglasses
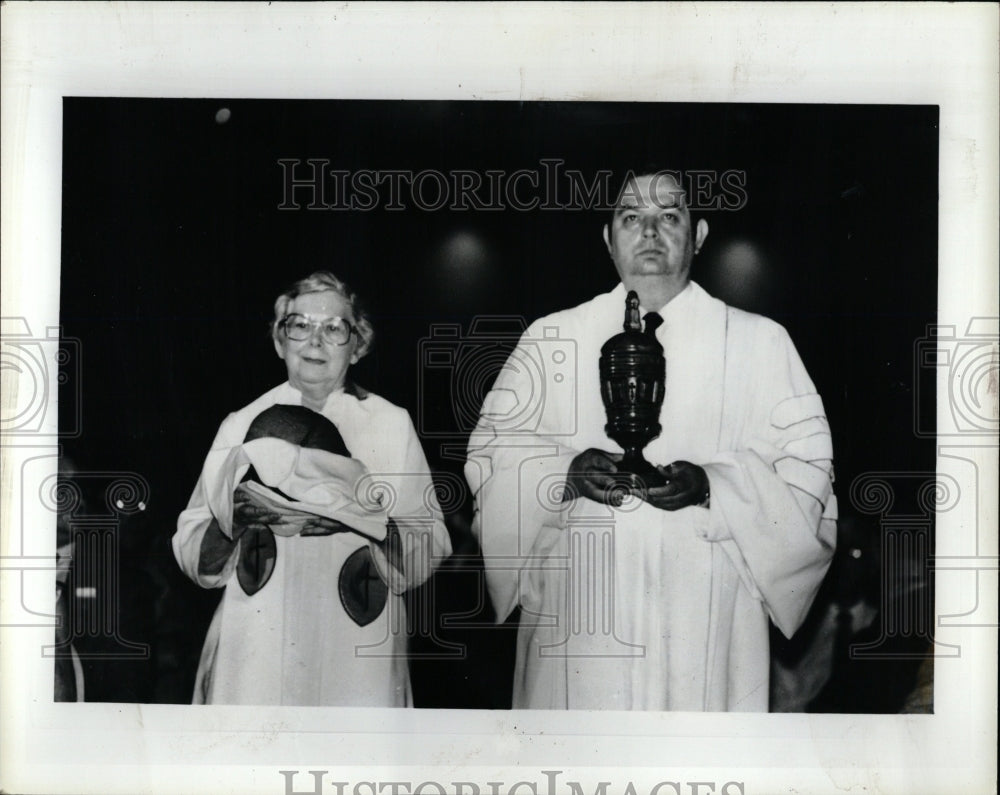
column 334, row 330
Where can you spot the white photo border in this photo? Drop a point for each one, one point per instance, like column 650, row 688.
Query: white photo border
column 932, row 54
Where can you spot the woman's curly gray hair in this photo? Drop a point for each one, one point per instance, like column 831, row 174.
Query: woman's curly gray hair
column 321, row 282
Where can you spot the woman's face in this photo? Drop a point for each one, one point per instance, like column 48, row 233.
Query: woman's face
column 317, row 367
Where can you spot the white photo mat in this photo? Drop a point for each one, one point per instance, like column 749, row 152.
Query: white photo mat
column 797, row 53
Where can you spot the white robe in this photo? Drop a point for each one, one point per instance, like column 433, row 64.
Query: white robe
column 292, row 642
column 636, row 607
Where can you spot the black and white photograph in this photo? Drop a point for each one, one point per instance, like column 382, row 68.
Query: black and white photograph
column 413, row 414
column 457, row 225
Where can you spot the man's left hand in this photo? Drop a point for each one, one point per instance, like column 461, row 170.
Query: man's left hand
column 687, row 484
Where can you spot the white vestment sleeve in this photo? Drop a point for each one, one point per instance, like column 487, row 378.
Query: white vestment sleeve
column 772, row 503
column 517, row 464
column 423, row 537
column 194, row 521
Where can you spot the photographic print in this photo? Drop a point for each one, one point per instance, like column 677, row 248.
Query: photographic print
column 461, row 223
column 555, row 416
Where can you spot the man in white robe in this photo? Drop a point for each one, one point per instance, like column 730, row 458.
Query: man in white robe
column 662, row 601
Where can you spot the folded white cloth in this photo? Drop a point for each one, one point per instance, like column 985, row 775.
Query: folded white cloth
column 318, row 482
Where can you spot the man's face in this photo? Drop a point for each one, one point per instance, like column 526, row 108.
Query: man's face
column 651, row 233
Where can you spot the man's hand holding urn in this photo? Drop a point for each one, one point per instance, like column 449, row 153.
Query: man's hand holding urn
column 687, row 484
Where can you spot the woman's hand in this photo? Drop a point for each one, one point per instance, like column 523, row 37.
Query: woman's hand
column 254, row 511
column 249, row 514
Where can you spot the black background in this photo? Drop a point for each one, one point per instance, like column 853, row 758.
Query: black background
column 174, row 249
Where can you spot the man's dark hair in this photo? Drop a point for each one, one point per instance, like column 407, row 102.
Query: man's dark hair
column 648, row 169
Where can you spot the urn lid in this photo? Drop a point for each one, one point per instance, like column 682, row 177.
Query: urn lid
column 632, row 339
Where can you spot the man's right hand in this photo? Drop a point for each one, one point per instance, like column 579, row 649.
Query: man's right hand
column 592, row 475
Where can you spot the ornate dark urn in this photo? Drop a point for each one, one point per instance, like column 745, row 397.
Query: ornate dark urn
column 633, row 375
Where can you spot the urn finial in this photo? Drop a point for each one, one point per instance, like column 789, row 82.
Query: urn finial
column 632, row 320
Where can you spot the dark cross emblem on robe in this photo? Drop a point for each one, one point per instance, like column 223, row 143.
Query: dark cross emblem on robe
column 362, row 590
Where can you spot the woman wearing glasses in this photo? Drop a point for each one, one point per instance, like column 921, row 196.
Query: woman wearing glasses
column 315, row 511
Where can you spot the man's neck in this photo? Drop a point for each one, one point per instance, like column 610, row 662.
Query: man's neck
column 655, row 292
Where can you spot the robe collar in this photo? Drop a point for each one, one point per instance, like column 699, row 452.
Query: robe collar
column 292, row 396
column 674, row 309
column 674, row 306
